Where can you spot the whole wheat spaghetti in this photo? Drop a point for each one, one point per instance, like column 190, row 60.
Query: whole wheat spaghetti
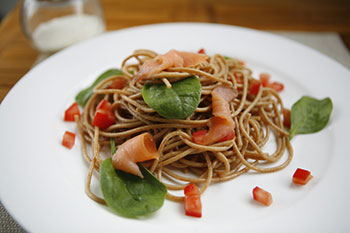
column 257, row 119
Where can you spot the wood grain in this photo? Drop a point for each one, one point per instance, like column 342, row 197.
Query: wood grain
column 17, row 56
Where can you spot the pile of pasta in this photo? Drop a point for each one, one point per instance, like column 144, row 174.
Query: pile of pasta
column 257, row 119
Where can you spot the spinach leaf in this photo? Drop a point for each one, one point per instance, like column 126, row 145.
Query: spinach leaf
column 309, row 115
column 130, row 195
column 84, row 95
column 113, row 147
column 177, row 102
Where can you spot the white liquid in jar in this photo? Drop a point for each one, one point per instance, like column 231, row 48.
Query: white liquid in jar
column 61, row 32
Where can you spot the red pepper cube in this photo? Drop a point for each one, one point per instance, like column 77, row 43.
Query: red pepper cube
column 286, row 117
column 71, row 112
column 68, row 139
column 254, row 87
column 193, row 206
column 202, row 51
column 265, row 79
column 301, row 176
column 277, row 86
column 262, row 196
column 104, row 115
column 192, row 201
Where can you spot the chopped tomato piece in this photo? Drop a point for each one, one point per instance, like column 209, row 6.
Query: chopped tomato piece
column 68, row 139
column 191, row 189
column 193, row 205
column 302, row 176
column 104, row 105
column 242, row 63
column 103, row 119
column 262, row 196
column 118, row 83
column 254, row 87
column 277, row 86
column 71, row 112
column 239, row 77
column 104, row 116
column 202, row 51
column 265, row 79
column 286, row 117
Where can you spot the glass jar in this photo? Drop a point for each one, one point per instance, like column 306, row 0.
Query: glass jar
column 52, row 25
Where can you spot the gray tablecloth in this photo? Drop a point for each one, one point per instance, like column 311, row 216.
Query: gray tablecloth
column 327, row 43
column 7, row 223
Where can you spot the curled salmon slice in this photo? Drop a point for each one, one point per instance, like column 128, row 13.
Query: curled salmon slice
column 220, row 97
column 137, row 149
column 173, row 58
column 221, row 125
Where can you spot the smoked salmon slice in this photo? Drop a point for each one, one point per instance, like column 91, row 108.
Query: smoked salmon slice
column 221, row 125
column 173, row 58
column 137, row 149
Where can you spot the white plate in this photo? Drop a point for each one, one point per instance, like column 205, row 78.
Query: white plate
column 42, row 183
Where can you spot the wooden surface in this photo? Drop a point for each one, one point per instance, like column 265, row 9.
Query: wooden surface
column 17, row 56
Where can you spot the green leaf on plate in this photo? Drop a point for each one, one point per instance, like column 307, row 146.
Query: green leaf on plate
column 309, row 115
column 130, row 195
column 177, row 102
column 84, row 95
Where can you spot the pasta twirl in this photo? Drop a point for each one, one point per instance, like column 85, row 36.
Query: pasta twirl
column 257, row 120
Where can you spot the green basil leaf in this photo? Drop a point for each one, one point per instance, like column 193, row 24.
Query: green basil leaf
column 130, row 195
column 177, row 102
column 310, row 115
column 84, row 95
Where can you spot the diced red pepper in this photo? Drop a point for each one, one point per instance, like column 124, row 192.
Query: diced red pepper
column 71, row 112
column 202, row 51
column 199, row 135
column 242, row 63
column 104, row 115
column 239, row 77
column 118, row 83
column 191, row 189
column 277, row 86
column 103, row 120
column 254, row 87
column 265, row 79
column 262, row 196
column 68, row 139
column 286, row 117
column 301, row 176
column 193, row 205
column 104, row 105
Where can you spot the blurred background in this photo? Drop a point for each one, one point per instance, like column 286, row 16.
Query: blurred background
column 291, row 15
column 321, row 24
column 6, row 6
